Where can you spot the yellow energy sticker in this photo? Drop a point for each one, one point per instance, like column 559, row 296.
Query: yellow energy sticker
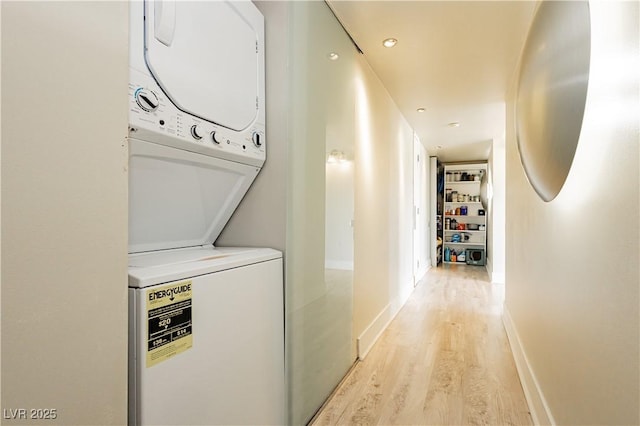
column 169, row 321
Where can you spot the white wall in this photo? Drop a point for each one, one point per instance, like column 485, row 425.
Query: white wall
column 572, row 271
column 0, row 204
column 400, row 204
column 64, row 210
column 496, row 219
column 383, row 276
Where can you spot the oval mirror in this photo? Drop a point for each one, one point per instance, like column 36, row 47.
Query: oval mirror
column 552, row 90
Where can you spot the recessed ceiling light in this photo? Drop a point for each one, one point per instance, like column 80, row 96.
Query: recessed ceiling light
column 389, row 42
column 454, row 124
column 333, row 56
column 420, row 110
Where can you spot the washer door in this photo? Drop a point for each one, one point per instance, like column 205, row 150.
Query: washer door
column 205, row 56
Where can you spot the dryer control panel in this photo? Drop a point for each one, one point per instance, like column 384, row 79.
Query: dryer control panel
column 153, row 117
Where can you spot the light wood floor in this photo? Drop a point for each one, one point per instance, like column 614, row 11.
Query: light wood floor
column 444, row 360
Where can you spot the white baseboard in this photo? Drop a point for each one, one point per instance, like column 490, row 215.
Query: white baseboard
column 371, row 334
column 496, row 277
column 420, row 275
column 374, row 330
column 540, row 413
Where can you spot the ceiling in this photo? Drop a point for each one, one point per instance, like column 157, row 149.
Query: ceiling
column 453, row 58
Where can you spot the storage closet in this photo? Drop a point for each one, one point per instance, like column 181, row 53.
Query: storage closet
column 464, row 233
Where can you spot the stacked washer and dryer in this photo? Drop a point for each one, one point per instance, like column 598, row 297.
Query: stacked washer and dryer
column 206, row 326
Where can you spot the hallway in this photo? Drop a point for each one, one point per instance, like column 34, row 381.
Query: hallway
column 444, row 359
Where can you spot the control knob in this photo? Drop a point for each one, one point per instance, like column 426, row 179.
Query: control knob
column 257, row 139
column 147, row 99
column 197, row 132
column 216, row 137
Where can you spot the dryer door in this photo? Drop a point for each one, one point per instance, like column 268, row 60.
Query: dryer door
column 207, row 57
column 179, row 198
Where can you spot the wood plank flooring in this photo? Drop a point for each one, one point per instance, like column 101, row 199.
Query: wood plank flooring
column 444, row 360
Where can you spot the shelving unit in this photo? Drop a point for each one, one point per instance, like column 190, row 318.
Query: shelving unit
column 463, row 205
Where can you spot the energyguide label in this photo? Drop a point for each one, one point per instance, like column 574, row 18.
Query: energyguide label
column 168, row 321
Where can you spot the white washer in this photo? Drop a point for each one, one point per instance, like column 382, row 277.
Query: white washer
column 206, row 324
column 206, row 337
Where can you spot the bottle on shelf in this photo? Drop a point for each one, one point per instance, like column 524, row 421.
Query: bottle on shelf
column 454, row 256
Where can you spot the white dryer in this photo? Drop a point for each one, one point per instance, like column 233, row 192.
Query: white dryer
column 197, row 77
column 206, row 325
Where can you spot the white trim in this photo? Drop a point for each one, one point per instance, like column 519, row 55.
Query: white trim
column 371, row 334
column 374, row 330
column 419, row 277
column 540, row 412
column 496, row 277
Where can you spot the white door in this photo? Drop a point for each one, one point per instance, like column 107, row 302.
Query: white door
column 421, row 261
column 433, row 209
column 205, row 56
